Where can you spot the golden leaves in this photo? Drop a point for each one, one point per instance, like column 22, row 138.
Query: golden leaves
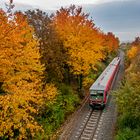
column 132, row 52
column 21, row 77
column 81, row 39
column 110, row 42
column 21, row 71
column 49, row 92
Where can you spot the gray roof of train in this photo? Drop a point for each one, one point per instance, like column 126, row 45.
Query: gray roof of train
column 115, row 61
column 101, row 82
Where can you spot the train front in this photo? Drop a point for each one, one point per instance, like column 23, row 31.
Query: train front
column 96, row 98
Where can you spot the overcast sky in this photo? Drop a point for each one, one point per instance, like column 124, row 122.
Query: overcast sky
column 122, row 17
column 54, row 4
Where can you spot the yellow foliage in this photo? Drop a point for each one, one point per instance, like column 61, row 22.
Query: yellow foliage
column 132, row 52
column 21, row 77
column 49, row 92
column 15, row 117
column 111, row 43
column 87, row 82
column 81, row 39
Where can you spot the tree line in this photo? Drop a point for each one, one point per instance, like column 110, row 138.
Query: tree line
column 128, row 96
column 42, row 59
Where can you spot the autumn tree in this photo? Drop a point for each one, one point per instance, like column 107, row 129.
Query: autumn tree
column 128, row 96
column 134, row 48
column 81, row 39
column 136, row 42
column 50, row 45
column 21, row 75
column 111, row 43
column 133, row 53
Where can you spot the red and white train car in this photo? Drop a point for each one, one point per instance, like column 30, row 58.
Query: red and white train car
column 99, row 90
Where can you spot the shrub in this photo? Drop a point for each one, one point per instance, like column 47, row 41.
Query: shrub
column 126, row 134
column 55, row 112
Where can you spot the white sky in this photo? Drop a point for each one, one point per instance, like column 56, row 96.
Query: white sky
column 54, row 4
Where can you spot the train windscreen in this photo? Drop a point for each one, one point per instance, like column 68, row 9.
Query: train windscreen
column 97, row 95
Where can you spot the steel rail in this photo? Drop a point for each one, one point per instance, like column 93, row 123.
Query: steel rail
column 67, row 130
column 91, row 125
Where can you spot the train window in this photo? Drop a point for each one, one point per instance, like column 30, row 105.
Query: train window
column 97, row 94
column 100, row 91
column 93, row 96
column 94, row 92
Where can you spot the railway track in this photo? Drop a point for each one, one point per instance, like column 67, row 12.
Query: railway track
column 95, row 124
column 90, row 125
column 67, row 130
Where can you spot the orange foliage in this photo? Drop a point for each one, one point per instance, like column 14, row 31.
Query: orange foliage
column 21, row 77
column 134, row 50
column 82, row 40
column 21, row 71
column 111, row 43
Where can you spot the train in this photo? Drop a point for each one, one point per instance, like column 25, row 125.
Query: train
column 100, row 89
